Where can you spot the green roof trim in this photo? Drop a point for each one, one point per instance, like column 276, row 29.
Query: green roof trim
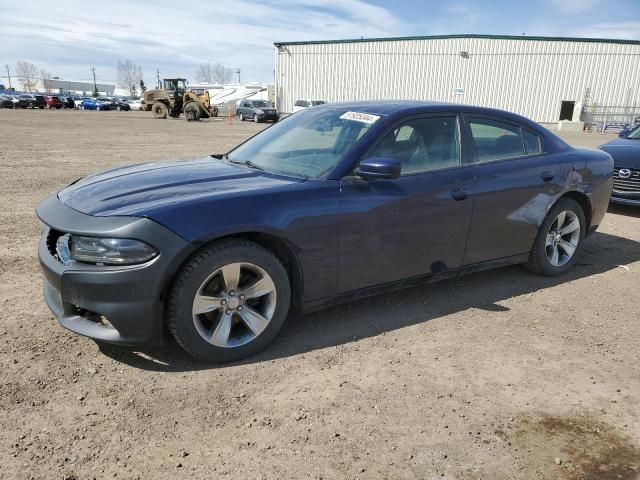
column 444, row 37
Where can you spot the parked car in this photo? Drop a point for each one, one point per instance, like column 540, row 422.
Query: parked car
column 67, row 102
column 257, row 110
column 28, row 100
column 305, row 103
column 53, row 101
column 626, row 172
column 114, row 103
column 135, row 104
column 6, row 102
column 626, row 129
column 92, row 104
column 332, row 203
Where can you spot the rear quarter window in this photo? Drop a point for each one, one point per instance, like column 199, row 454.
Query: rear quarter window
column 532, row 143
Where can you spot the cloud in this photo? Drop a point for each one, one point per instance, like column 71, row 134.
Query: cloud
column 624, row 30
column 237, row 33
column 573, row 7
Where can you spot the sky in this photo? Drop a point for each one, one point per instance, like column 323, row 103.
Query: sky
column 67, row 37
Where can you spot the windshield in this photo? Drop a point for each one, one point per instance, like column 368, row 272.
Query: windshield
column 259, row 103
column 317, row 102
column 308, row 144
column 634, row 134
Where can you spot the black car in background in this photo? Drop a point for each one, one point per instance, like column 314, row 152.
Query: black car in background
column 5, row 102
column 257, row 110
column 67, row 102
column 28, row 100
column 115, row 103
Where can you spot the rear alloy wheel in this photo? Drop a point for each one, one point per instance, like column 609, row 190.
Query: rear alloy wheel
column 559, row 239
column 229, row 301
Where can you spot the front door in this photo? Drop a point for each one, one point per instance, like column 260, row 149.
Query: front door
column 413, row 225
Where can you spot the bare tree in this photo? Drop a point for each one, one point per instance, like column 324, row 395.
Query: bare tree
column 222, row 74
column 28, row 73
column 47, row 84
column 217, row 73
column 204, row 74
column 129, row 76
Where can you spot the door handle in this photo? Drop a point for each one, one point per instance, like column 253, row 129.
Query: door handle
column 459, row 194
column 547, row 176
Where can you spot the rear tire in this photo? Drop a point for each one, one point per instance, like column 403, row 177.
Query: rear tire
column 559, row 239
column 208, row 291
column 159, row 110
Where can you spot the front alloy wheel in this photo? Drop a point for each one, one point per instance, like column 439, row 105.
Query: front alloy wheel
column 228, row 301
column 234, row 305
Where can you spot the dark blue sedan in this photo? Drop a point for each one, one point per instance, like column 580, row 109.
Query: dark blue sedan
column 335, row 202
column 626, row 171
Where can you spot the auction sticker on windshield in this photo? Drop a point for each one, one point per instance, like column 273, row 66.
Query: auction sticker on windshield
column 360, row 117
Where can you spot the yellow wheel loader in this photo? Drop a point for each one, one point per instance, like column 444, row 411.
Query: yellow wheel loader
column 175, row 98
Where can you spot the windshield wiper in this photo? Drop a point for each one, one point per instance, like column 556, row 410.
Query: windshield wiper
column 247, row 163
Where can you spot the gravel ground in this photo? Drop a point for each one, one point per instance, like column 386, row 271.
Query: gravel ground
column 496, row 375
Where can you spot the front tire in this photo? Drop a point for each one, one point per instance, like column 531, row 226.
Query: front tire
column 255, row 118
column 241, row 115
column 191, row 112
column 229, row 301
column 559, row 239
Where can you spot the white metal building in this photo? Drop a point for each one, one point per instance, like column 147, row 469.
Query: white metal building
column 544, row 78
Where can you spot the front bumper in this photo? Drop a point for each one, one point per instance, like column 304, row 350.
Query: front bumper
column 116, row 304
column 626, row 200
column 268, row 116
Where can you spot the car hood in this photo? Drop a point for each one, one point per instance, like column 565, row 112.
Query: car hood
column 625, row 152
column 139, row 189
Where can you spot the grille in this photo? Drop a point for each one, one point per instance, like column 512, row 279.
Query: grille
column 626, row 185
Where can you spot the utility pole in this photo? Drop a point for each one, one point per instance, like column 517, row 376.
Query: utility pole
column 158, row 75
column 8, row 76
column 95, row 87
column 238, row 72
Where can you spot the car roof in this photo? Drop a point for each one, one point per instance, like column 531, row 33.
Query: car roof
column 407, row 107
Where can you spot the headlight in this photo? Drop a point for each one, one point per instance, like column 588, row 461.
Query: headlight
column 260, row 112
column 110, row 251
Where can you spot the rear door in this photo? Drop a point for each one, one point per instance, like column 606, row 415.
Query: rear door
column 515, row 184
column 394, row 229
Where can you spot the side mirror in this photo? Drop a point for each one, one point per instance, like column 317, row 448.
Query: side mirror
column 378, row 168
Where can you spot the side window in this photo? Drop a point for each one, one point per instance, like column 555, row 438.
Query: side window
column 299, row 103
column 532, row 143
column 495, row 140
column 404, row 133
column 422, row 144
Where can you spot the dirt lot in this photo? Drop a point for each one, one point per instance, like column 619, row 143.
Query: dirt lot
column 496, row 375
